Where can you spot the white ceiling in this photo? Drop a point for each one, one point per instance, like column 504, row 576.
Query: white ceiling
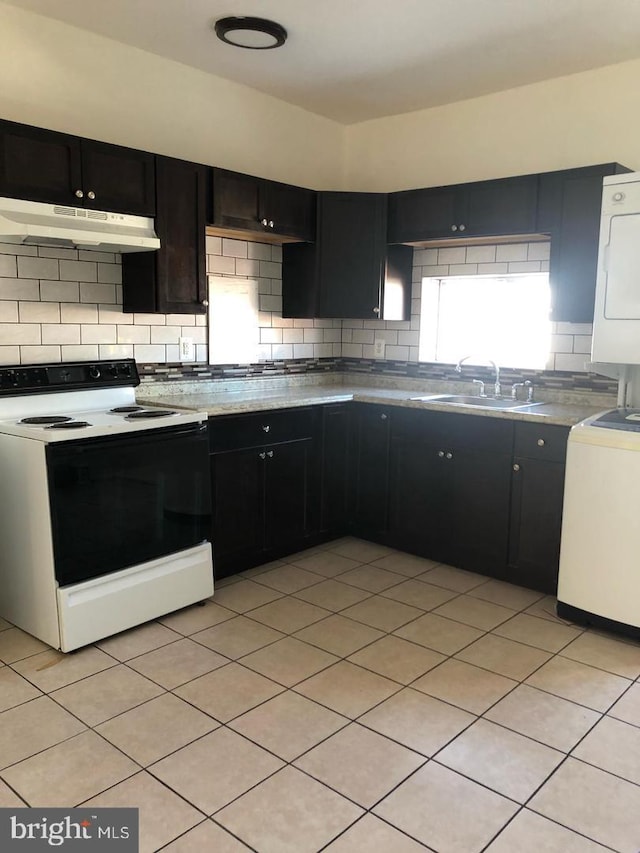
column 352, row 60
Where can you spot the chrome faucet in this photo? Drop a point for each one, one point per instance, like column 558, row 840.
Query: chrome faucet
column 497, row 388
column 526, row 384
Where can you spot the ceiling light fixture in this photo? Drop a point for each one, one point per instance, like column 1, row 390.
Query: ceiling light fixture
column 251, row 33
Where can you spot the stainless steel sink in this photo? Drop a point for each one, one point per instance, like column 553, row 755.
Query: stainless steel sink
column 476, row 402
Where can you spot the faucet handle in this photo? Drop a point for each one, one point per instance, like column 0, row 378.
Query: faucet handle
column 526, row 384
column 481, row 384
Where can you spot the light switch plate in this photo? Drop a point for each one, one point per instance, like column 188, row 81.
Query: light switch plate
column 378, row 348
column 187, row 350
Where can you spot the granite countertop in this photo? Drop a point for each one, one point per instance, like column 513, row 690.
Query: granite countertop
column 216, row 402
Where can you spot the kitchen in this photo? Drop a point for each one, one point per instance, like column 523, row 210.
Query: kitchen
column 557, row 124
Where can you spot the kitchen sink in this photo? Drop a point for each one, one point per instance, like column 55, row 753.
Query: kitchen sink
column 477, row 402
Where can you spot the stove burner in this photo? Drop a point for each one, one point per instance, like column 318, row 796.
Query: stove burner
column 70, row 425
column 46, row 419
column 123, row 409
column 150, row 413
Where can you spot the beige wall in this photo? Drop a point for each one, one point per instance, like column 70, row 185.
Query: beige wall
column 582, row 119
column 63, row 78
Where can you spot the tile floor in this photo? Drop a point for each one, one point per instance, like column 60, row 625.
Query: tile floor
column 350, row 699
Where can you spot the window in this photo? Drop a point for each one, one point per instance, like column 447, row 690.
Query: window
column 503, row 318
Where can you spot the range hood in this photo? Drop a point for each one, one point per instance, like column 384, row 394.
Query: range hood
column 54, row 224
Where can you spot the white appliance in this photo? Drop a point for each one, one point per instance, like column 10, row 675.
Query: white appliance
column 105, row 504
column 599, row 579
column 61, row 225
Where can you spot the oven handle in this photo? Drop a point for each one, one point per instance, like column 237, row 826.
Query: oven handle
column 196, row 430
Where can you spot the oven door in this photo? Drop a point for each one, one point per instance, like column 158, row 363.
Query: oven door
column 124, row 500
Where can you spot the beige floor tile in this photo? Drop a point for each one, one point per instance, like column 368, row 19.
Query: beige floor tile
column 177, row 663
column 579, row 683
column 101, row 696
column 504, row 761
column 197, row 618
column 436, row 632
column 216, row 769
column 326, row 563
column 52, row 669
column 16, row 644
column 605, row 653
column 446, row 811
column 245, row 595
column 469, row 687
column 288, row 614
column 339, row 635
column 592, row 802
column 544, row 717
column 32, row 727
column 289, row 661
column 237, row 637
column 541, row 633
column 138, row 641
column 153, row 730
column 420, row 594
column 405, row 564
column 347, row 689
column 454, row 579
column 162, row 814
column 360, row 764
column 4, row 625
column 257, row 570
column 71, row 772
column 530, row 833
column 418, row 721
column 207, row 837
column 506, row 594
column 513, row 660
column 359, row 549
column 373, row 835
column 613, row 746
column 300, row 555
column 333, row 595
column 289, row 813
column 397, row 659
column 370, row 578
column 382, row 613
column 228, row 691
column 288, row 578
column 627, row 708
column 9, row 799
column 475, row 612
column 14, row 690
column 545, row 608
column 288, row 724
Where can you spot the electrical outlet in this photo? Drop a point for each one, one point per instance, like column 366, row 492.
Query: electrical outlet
column 378, row 348
column 187, row 350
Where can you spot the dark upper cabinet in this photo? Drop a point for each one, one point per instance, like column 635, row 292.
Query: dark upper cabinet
column 42, row 165
column 481, row 209
column 245, row 203
column 173, row 279
column 569, row 210
column 350, row 271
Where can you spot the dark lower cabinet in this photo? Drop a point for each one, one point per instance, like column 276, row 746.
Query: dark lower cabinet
column 335, row 485
column 287, row 480
column 536, row 506
column 370, row 470
column 237, row 495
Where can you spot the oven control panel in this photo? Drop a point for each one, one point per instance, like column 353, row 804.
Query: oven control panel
column 79, row 375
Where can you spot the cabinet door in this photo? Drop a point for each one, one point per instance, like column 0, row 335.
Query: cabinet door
column 236, row 200
column 536, row 521
column 292, row 210
column 371, row 471
column 39, row 165
column 238, row 522
column 506, row 206
column 335, row 468
column 120, row 179
column 287, row 473
column 423, row 214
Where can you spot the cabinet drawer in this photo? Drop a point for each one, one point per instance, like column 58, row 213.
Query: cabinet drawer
column 455, row 431
column 234, row 432
column 541, row 441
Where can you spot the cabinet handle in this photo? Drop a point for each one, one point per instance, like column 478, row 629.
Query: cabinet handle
column 441, row 454
column 376, row 310
column 205, row 302
column 91, row 195
column 383, row 417
column 449, row 455
column 540, row 442
column 262, row 455
column 516, row 467
column 463, row 228
column 270, row 454
column 264, row 222
column 79, row 194
column 454, row 227
column 266, row 427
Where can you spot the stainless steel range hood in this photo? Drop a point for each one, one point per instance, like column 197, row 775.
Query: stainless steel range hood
column 54, row 224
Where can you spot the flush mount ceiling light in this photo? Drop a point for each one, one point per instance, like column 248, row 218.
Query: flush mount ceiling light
column 251, row 33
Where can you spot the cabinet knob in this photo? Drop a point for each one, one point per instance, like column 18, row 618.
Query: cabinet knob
column 540, row 442
column 449, row 455
column 516, row 467
column 91, row 195
column 79, row 194
column 265, row 427
column 264, row 222
column 454, row 227
column 383, row 417
column 441, row 454
column 462, row 228
column 271, row 223
column 376, row 310
column 205, row 302
column 270, row 454
column 262, row 455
